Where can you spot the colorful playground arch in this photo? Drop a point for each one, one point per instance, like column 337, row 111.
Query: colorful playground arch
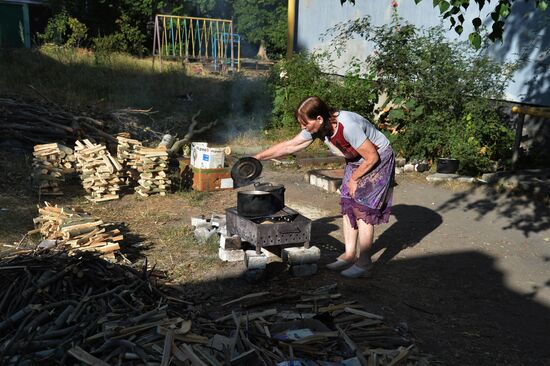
column 196, row 39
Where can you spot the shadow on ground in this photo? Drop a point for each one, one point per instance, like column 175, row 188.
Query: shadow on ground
column 457, row 306
column 527, row 212
column 412, row 225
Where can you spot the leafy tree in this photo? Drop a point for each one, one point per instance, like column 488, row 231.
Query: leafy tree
column 63, row 29
column 262, row 22
column 454, row 11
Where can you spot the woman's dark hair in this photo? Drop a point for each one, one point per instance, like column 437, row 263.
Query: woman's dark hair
column 311, row 107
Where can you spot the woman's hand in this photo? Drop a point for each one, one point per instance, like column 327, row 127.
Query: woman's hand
column 352, row 187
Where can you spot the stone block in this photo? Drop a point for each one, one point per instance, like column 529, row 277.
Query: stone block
column 198, row 220
column 231, row 242
column 203, row 233
column 408, row 168
column 303, row 270
column 254, row 260
column 400, row 162
column 231, row 255
column 441, row 177
column 217, row 220
column 399, row 171
column 301, row 255
column 222, row 230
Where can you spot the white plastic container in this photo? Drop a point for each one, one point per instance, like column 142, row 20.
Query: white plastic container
column 204, row 157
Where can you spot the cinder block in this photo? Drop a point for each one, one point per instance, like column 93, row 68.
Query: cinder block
column 333, row 185
column 230, row 243
column 254, row 260
column 222, row 230
column 303, row 270
column 217, row 220
column 313, row 179
column 301, row 255
column 231, row 255
column 198, row 220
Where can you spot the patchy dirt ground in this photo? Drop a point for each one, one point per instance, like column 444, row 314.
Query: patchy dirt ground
column 466, row 269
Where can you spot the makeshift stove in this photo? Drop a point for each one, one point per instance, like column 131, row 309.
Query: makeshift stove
column 286, row 226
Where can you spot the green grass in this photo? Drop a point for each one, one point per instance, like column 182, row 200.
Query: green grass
column 80, row 81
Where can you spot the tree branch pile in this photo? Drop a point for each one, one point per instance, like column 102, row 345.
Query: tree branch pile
column 56, row 309
column 29, row 124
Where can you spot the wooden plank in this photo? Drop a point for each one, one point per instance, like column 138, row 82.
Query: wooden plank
column 85, row 357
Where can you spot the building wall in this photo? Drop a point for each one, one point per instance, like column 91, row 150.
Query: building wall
column 525, row 34
column 14, row 25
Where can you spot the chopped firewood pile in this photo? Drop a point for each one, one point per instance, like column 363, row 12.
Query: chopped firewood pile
column 43, row 123
column 82, row 310
column 51, row 164
column 152, row 164
column 99, row 171
column 74, row 230
column 126, row 155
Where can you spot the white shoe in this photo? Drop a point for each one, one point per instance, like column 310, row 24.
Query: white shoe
column 338, row 264
column 356, row 271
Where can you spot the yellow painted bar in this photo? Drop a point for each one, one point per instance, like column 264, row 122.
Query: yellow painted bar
column 291, row 19
column 532, row 111
column 196, row 18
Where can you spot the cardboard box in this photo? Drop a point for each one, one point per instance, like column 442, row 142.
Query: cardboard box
column 204, row 157
column 211, row 179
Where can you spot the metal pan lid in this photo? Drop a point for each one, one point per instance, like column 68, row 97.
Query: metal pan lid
column 245, row 170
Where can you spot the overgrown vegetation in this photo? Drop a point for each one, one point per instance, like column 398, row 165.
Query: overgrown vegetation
column 127, row 25
column 439, row 93
column 300, row 76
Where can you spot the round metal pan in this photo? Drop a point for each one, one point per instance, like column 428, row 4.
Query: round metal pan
column 245, row 170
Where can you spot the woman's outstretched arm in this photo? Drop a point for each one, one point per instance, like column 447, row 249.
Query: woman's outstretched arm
column 284, row 148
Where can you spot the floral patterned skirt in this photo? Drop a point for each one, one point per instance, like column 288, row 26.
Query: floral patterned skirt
column 373, row 197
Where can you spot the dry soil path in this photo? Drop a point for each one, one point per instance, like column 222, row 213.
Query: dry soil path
column 466, row 268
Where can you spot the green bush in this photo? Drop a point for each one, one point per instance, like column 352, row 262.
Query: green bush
column 437, row 91
column 300, row 76
column 64, row 30
column 128, row 39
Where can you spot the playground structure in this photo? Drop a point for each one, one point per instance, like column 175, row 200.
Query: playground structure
column 197, row 39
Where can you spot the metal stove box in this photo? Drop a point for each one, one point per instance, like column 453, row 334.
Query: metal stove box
column 263, row 233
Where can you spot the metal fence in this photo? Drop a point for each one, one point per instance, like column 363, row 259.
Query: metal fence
column 196, row 39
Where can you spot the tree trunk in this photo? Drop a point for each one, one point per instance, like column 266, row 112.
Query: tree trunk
column 262, row 52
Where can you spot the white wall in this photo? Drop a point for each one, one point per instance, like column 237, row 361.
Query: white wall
column 524, row 30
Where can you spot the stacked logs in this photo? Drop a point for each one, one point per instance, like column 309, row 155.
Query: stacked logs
column 152, row 164
column 127, row 149
column 100, row 172
column 51, row 164
column 74, row 230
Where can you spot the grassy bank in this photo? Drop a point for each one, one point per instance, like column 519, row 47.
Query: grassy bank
column 82, row 81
